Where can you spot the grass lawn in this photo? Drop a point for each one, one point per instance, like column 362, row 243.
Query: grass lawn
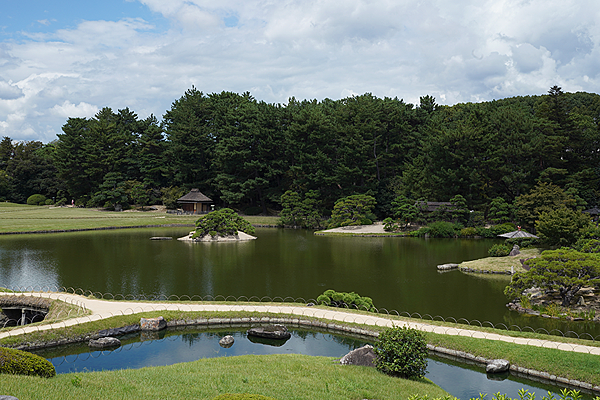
column 287, row 376
column 25, row 218
column 500, row 264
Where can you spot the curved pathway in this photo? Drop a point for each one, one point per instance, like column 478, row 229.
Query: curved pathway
column 101, row 309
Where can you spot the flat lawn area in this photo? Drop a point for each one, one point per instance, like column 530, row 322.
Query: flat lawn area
column 24, row 218
column 287, row 376
column 500, row 264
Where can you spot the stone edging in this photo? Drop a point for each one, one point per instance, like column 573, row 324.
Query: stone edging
column 338, row 328
column 106, row 228
column 483, row 271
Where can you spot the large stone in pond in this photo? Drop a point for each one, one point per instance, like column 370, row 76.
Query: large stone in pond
column 270, row 332
column 226, row 341
column 497, row 366
column 364, row 356
column 4, row 397
column 153, row 324
column 104, row 342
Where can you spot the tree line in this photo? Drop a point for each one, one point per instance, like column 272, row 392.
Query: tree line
column 246, row 154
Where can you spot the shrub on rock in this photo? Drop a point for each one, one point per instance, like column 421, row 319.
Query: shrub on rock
column 223, row 222
column 24, row 363
column 402, row 352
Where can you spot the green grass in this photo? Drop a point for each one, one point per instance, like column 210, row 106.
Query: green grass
column 25, row 218
column 287, row 376
column 500, row 264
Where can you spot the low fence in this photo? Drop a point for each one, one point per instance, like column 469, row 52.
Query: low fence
column 377, row 317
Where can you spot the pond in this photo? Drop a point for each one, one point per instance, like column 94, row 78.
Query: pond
column 397, row 273
column 190, row 344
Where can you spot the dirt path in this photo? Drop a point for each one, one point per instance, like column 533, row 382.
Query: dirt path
column 101, row 309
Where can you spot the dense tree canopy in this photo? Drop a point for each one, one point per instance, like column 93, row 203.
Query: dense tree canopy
column 245, row 153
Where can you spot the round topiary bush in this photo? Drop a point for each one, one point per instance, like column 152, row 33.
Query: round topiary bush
column 24, row 363
column 401, row 352
column 36, row 200
column 499, row 250
column 243, row 396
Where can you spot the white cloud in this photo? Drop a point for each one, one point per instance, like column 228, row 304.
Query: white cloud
column 70, row 110
column 464, row 50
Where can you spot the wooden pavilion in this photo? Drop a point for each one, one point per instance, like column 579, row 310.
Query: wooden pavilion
column 195, row 202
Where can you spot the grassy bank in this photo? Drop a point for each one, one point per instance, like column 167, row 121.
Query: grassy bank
column 500, row 264
column 24, row 218
column 286, row 376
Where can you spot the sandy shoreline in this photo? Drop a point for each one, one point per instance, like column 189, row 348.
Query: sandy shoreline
column 376, row 228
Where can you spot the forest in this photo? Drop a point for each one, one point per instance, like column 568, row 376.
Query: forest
column 245, row 153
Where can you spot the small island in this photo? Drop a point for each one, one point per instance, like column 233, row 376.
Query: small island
column 223, row 225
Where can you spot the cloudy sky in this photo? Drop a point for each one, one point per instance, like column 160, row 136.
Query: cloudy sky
column 70, row 58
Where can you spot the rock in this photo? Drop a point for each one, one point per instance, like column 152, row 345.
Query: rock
column 226, row 341
column 270, row 332
column 581, row 301
column 364, row 356
column 104, row 342
column 5, row 397
column 445, row 267
column 497, row 366
column 515, row 251
column 153, row 324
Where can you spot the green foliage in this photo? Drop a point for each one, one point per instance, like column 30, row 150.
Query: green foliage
column 503, row 228
column 563, row 270
column 545, row 197
column 526, row 242
column 565, row 394
column 300, row 212
column 170, row 195
column 499, row 250
column 459, row 210
column 440, row 229
column 561, row 226
column 390, row 225
column 23, row 363
column 500, row 211
column 252, row 211
column 36, row 200
column 405, row 210
column 223, row 222
column 112, row 191
column 48, row 202
column 352, row 210
column 244, row 396
column 138, row 193
column 402, row 352
column 332, row 298
column 588, row 246
column 468, row 232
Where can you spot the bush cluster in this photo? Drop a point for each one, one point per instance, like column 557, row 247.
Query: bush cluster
column 402, row 352
column 440, row 229
column 23, row 363
column 499, row 250
column 36, row 200
column 222, row 222
column 332, row 298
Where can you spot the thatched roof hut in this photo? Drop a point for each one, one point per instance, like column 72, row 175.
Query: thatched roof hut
column 195, row 202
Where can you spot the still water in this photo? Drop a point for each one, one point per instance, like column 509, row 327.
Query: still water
column 460, row 380
column 397, row 273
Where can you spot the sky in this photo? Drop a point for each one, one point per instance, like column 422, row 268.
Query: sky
column 71, row 58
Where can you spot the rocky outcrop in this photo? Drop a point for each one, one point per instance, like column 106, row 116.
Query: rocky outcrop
column 241, row 236
column 497, row 366
column 364, row 356
column 447, row 267
column 515, row 251
column 153, row 324
column 104, row 343
column 270, row 332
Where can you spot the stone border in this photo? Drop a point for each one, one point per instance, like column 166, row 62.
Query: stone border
column 353, row 331
column 483, row 271
column 106, row 228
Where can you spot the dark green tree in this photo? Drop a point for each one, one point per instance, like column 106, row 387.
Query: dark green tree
column 300, row 212
column 544, row 197
column 564, row 271
column 561, row 226
column 112, row 191
column 352, row 210
column 223, row 222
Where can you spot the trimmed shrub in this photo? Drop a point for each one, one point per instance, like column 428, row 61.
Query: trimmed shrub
column 24, row 363
column 442, row 229
column 332, row 298
column 401, row 352
column 523, row 242
column 499, row 250
column 240, row 396
column 487, row 233
column 503, row 228
column 468, row 232
column 36, row 200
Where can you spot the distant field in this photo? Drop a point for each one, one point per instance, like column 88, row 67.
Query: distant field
column 25, row 218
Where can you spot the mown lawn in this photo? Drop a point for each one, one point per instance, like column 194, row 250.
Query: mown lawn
column 24, row 218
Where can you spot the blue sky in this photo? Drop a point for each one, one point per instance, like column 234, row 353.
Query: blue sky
column 61, row 59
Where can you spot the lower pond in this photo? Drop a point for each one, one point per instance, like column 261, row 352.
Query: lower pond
column 189, row 344
column 397, row 273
